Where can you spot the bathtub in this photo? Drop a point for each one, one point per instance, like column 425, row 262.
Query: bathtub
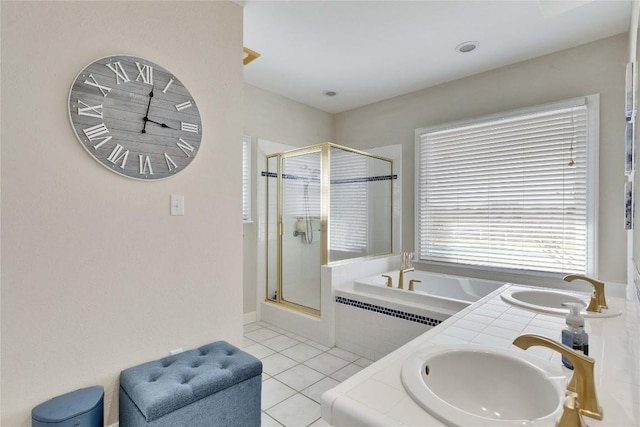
column 372, row 320
column 450, row 293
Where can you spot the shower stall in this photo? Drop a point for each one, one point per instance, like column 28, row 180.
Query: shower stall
column 325, row 203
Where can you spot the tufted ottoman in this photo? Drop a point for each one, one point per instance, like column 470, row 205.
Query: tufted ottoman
column 214, row 385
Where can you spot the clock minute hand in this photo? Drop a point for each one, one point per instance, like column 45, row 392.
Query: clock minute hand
column 146, row 116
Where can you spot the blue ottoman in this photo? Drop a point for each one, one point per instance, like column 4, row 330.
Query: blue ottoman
column 214, row 385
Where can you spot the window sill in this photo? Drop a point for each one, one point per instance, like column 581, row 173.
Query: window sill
column 523, row 277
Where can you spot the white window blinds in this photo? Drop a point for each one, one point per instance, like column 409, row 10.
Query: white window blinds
column 507, row 193
column 246, row 178
column 349, row 204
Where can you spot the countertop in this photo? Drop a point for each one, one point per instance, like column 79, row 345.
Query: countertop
column 375, row 396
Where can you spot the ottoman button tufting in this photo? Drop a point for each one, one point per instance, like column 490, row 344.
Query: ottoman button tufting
column 225, row 390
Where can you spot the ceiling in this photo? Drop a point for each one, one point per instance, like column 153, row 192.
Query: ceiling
column 368, row 51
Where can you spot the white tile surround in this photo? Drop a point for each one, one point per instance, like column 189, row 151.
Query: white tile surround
column 371, row 334
column 337, row 275
column 375, row 396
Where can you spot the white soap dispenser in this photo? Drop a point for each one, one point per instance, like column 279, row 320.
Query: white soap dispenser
column 574, row 335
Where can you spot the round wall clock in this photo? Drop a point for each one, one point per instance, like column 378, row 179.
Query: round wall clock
column 135, row 117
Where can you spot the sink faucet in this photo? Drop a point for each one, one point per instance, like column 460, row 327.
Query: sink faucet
column 571, row 413
column 401, row 278
column 598, row 301
column 582, row 382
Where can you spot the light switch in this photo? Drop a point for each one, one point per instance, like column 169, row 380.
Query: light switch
column 177, row 204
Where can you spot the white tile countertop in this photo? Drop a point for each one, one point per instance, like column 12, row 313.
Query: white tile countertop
column 376, row 396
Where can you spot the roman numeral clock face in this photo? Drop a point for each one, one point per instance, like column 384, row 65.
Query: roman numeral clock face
column 135, row 117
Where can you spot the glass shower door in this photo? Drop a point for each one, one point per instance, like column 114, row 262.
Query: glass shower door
column 301, row 242
column 325, row 203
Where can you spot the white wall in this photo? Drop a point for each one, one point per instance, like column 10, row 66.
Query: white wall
column 96, row 276
column 597, row 67
column 274, row 118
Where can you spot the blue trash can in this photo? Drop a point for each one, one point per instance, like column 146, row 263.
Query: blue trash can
column 80, row 408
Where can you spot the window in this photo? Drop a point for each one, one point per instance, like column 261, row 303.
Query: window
column 246, row 178
column 515, row 192
column 349, row 203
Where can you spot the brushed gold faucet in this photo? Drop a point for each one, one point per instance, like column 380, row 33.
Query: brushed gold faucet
column 582, row 382
column 389, row 281
column 411, row 282
column 401, row 279
column 598, row 300
column 571, row 413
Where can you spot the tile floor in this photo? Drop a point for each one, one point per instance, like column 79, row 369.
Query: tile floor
column 296, row 372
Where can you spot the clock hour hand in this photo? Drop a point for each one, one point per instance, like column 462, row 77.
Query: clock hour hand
column 146, row 116
column 146, row 119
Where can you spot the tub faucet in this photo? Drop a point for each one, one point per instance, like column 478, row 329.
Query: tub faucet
column 401, row 277
column 389, row 281
column 411, row 282
column 598, row 300
column 582, row 382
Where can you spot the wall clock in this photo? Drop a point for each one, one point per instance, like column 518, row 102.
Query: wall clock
column 135, row 117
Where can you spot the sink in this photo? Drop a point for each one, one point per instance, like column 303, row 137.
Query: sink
column 477, row 385
column 550, row 301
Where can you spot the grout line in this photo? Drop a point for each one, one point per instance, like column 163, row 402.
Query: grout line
column 263, row 325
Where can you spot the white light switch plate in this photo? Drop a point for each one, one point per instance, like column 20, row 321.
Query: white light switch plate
column 177, row 204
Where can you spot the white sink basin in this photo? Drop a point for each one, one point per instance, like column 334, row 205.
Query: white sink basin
column 472, row 385
column 550, row 301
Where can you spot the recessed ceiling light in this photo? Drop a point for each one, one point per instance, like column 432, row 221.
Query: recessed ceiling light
column 467, row 47
column 329, row 93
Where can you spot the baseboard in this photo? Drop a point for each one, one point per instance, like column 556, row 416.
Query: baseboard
column 249, row 317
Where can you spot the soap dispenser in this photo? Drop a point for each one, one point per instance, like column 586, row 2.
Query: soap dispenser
column 574, row 335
